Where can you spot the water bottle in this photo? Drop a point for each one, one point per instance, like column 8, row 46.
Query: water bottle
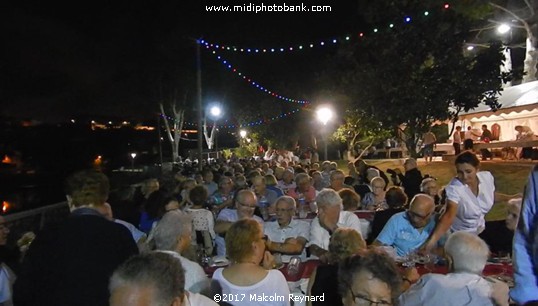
column 264, row 207
column 302, row 207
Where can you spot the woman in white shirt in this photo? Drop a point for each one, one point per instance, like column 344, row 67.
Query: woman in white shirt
column 245, row 281
column 470, row 196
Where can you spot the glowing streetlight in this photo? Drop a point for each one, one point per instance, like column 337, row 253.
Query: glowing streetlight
column 133, row 156
column 215, row 111
column 243, row 133
column 503, row 28
column 324, row 114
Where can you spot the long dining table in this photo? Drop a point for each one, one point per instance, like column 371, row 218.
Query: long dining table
column 306, row 268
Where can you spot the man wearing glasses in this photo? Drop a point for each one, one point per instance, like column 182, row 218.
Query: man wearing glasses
column 245, row 204
column 407, row 231
column 287, row 236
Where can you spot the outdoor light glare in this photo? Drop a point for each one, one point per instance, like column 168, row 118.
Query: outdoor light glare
column 215, row 111
column 470, row 48
column 324, row 115
column 243, row 133
column 133, row 155
column 503, row 28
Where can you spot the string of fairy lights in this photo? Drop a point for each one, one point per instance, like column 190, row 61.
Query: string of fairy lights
column 256, row 84
column 228, row 125
column 324, row 43
column 214, row 47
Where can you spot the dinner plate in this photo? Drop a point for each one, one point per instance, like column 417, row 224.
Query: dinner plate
column 219, row 261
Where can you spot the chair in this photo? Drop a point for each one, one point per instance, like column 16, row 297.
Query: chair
column 495, row 131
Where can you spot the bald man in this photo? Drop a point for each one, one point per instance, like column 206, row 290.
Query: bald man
column 245, row 204
column 407, row 231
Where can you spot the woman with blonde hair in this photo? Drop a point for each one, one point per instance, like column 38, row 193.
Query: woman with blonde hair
column 245, row 247
column 324, row 279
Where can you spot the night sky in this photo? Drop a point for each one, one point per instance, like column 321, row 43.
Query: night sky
column 86, row 58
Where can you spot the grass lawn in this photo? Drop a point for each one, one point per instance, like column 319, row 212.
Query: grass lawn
column 510, row 177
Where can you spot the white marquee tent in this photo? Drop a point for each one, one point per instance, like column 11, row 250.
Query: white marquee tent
column 519, row 107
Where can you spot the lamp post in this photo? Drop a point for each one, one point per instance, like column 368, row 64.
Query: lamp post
column 133, row 156
column 324, row 114
column 215, row 112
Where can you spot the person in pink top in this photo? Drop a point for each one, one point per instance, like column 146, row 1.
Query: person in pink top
column 304, row 188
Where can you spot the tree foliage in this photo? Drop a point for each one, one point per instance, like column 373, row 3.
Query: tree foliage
column 360, row 128
column 418, row 72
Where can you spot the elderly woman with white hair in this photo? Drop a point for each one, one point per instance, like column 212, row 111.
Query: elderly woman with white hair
column 331, row 216
column 375, row 200
column 173, row 235
column 464, row 285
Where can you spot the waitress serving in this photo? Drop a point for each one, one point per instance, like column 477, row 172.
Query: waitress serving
column 470, row 196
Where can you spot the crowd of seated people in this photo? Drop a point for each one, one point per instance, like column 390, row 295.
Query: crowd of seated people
column 186, row 218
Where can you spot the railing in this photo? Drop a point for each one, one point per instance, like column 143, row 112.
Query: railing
column 36, row 219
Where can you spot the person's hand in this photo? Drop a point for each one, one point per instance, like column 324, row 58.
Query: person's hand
column 269, row 244
column 499, row 291
column 426, row 248
column 227, row 203
column 268, row 262
column 411, row 274
column 324, row 258
column 24, row 242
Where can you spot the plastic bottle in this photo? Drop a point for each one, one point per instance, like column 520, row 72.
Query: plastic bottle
column 264, row 206
column 303, row 212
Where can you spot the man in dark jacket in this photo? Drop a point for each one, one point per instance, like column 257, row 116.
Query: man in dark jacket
column 412, row 179
column 69, row 264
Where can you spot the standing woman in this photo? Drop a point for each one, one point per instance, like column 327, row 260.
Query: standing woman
column 470, row 196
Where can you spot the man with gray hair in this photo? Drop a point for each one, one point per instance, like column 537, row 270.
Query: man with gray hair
column 173, row 235
column 286, row 235
column 152, row 279
column 330, row 217
column 464, row 284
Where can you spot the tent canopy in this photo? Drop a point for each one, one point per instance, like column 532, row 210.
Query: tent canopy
column 519, row 107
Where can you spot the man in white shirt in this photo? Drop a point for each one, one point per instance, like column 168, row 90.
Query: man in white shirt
column 330, row 217
column 245, row 204
column 464, row 285
column 152, row 279
column 287, row 236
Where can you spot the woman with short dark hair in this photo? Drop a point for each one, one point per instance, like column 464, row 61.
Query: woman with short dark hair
column 470, row 196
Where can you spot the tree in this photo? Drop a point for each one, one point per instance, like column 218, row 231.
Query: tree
column 360, row 127
column 173, row 134
column 209, row 137
column 413, row 74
